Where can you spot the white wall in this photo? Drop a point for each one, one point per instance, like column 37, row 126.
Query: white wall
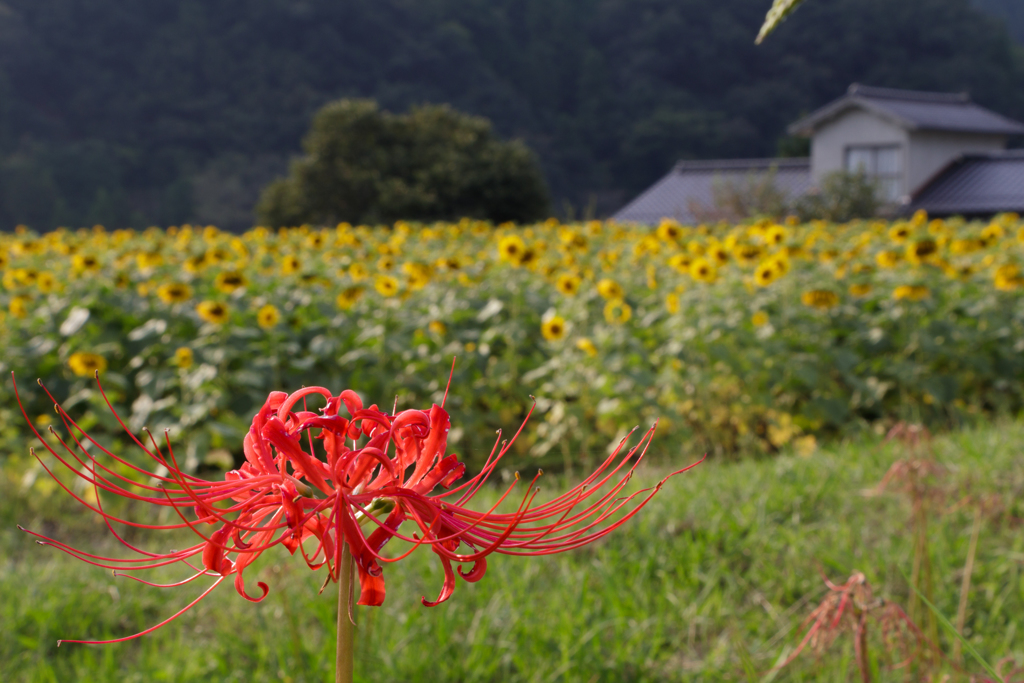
column 854, row 127
column 930, row 151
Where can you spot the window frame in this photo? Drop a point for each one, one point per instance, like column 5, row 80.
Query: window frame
column 872, row 172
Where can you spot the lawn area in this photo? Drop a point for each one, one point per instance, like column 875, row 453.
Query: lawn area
column 711, row 583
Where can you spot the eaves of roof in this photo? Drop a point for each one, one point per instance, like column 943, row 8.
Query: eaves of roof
column 912, row 110
column 975, row 184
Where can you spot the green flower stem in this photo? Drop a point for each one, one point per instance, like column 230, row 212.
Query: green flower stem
column 346, row 629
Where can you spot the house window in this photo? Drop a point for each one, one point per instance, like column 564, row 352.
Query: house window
column 884, row 164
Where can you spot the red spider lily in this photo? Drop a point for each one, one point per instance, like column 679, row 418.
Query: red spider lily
column 314, row 481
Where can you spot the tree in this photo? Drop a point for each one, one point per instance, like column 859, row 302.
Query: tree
column 365, row 165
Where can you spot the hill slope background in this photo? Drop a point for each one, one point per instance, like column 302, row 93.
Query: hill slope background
column 180, row 110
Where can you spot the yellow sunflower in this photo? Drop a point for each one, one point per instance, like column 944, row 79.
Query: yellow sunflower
column 702, row 270
column 553, row 329
column 759, row 319
column 681, row 263
column 83, row 263
column 86, row 364
column 672, row 303
column 174, row 292
column 610, row 289
column 511, row 248
column 586, row 346
column 229, row 281
column 213, row 312
column 348, row 297
column 822, row 299
column 617, row 312
column 183, row 357
column 19, row 306
column 920, row 251
column 290, row 264
column 46, row 282
column 386, row 285
column 268, row 316
column 910, row 292
column 358, row 272
column 568, row 284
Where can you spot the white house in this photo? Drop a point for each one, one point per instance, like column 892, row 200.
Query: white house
column 937, row 151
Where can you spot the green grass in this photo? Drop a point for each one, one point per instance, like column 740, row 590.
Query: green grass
column 710, row 584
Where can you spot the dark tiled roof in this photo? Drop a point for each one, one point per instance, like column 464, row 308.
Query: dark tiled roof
column 690, row 187
column 914, row 110
column 976, row 184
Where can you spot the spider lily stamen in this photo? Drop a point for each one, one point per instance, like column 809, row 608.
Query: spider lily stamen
column 334, row 482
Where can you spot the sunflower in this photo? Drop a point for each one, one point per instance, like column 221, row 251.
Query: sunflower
column 822, row 299
column 568, row 284
column 767, row 272
column 419, row 274
column 553, row 329
column 229, row 281
column 1008, row 278
column 386, row 285
column 268, row 316
column 348, row 297
column 669, row 230
column 887, row 259
column 695, row 248
column 386, row 263
column 617, row 312
column 174, row 292
column 899, row 233
column 83, row 263
column 759, row 319
column 681, row 262
column 46, row 282
column 290, row 264
column 747, row 254
column 437, row 327
column 183, row 357
column 19, row 306
column 910, row 292
column 586, row 346
column 86, row 364
column 511, row 248
column 992, row 234
column 701, row 270
column 358, row 272
column 672, row 303
column 718, row 254
column 610, row 289
column 860, row 290
column 195, row 264
column 920, row 251
column 775, row 235
column 212, row 312
column 147, row 260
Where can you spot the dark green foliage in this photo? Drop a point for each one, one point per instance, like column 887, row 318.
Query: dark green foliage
column 364, row 165
column 843, row 196
column 183, row 109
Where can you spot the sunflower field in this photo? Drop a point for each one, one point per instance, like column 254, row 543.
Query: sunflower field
column 740, row 339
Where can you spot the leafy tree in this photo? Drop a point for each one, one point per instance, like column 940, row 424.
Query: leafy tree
column 365, row 165
column 843, row 196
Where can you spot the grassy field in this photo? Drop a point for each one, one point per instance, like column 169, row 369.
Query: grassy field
column 710, row 584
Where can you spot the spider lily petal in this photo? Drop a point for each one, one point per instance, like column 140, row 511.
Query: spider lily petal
column 308, row 485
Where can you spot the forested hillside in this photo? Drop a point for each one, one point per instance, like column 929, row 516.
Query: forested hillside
column 171, row 110
column 1011, row 11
